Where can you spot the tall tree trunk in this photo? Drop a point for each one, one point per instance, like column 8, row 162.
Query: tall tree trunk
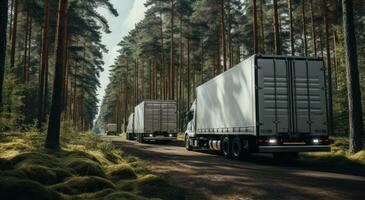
column 329, row 70
column 230, row 46
column 25, row 59
column 188, row 73
column 217, row 67
column 314, row 37
column 11, row 17
column 223, row 35
column 180, row 72
column 262, row 27
column 3, row 25
column 65, row 60
column 171, row 77
column 255, row 35
column 126, row 98
column 13, row 37
column 29, row 50
column 304, row 21
column 44, row 65
column 74, row 111
column 53, row 133
column 291, row 33
column 277, row 44
column 162, row 66
column 353, row 84
column 335, row 57
column 137, row 82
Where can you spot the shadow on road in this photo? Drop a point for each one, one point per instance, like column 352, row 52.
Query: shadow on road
column 258, row 177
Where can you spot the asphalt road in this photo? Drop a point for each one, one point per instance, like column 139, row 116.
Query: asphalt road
column 260, row 177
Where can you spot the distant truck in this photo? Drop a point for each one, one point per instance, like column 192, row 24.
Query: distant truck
column 155, row 120
column 111, row 129
column 130, row 128
column 266, row 104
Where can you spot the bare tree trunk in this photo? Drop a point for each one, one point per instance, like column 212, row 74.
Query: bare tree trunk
column 223, row 35
column 314, row 37
column 353, row 84
column 162, row 72
column 3, row 42
column 188, row 72
column 44, row 64
column 262, row 27
column 255, row 35
column 180, row 72
column 230, row 46
column 29, row 50
column 329, row 70
column 335, row 57
column 172, row 64
column 13, row 37
column 276, row 28
column 53, row 133
column 25, row 59
column 304, row 21
column 291, row 34
column 218, row 56
column 11, row 18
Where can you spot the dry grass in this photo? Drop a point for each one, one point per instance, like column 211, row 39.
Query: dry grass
column 339, row 154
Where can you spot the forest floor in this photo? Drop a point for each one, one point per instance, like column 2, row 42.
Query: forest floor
column 333, row 175
column 85, row 168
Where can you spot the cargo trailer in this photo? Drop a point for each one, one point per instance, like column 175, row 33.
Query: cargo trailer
column 111, row 129
column 130, row 128
column 155, row 120
column 266, row 104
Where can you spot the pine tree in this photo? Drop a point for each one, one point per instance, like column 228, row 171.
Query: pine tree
column 353, row 83
column 3, row 41
column 53, row 133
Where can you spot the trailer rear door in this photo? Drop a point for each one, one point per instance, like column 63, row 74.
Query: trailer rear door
column 291, row 96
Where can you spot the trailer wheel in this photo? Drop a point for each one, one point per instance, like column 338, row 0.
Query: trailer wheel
column 140, row 138
column 187, row 143
column 237, row 148
column 226, row 147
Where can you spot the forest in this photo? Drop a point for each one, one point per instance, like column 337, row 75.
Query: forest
column 27, row 86
column 51, row 64
column 52, row 121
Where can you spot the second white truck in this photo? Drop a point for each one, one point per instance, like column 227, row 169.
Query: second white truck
column 155, row 120
column 266, row 104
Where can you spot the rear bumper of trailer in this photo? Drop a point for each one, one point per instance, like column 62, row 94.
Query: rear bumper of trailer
column 301, row 148
column 160, row 138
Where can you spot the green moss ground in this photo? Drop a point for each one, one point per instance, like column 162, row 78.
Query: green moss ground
column 85, row 168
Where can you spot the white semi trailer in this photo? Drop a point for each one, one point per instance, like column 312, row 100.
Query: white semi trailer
column 155, row 120
column 268, row 104
column 111, row 129
column 130, row 128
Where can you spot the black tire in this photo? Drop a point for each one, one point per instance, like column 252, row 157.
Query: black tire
column 238, row 151
column 187, row 143
column 141, row 139
column 226, row 147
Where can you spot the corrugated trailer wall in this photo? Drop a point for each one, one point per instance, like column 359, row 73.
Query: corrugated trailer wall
column 157, row 116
